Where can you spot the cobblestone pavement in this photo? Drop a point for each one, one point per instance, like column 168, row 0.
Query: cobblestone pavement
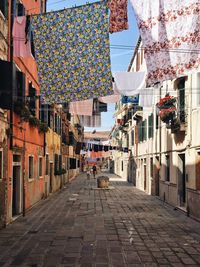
column 83, row 226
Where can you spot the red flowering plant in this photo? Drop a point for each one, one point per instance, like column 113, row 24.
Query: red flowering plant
column 167, row 109
column 166, row 102
column 167, row 114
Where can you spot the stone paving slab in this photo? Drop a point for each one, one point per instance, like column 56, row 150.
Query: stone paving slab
column 82, row 227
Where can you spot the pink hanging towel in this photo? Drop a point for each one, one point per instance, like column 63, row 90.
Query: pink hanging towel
column 21, row 48
column 118, row 15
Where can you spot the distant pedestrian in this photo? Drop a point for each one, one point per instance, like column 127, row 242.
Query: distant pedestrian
column 88, row 174
column 94, row 170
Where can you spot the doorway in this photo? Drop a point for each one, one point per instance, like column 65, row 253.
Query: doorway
column 51, row 178
column 16, row 191
column 181, row 180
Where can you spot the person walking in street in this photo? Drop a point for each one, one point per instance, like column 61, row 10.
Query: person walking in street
column 94, row 170
column 88, row 173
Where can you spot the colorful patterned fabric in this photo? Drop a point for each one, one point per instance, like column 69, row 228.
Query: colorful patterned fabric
column 118, row 15
column 72, row 52
column 170, row 33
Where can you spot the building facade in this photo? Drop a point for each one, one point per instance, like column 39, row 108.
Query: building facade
column 164, row 153
column 4, row 126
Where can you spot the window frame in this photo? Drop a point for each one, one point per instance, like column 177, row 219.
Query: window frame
column 40, row 166
column 167, row 171
column 32, row 176
column 47, row 164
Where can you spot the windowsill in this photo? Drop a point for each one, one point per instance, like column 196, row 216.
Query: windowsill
column 41, row 177
column 30, row 180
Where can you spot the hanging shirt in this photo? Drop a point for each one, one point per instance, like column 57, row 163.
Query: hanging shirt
column 170, row 34
column 21, row 46
column 118, row 15
column 73, row 54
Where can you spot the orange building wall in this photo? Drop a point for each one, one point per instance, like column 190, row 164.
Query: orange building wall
column 34, row 141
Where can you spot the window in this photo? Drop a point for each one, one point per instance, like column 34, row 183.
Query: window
column 157, row 122
column 150, row 128
column 20, row 87
column 122, row 165
column 167, row 175
column 72, row 164
column 143, row 131
column 20, row 10
column 47, row 165
column 1, row 164
column 132, row 137
column 56, row 163
column 4, row 7
column 32, row 101
column 30, row 167
column 40, row 166
column 181, row 102
column 45, row 115
column 151, row 167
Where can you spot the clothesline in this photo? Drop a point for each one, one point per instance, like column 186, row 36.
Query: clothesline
column 124, row 47
column 194, row 90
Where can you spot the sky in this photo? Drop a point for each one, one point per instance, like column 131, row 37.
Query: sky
column 120, row 58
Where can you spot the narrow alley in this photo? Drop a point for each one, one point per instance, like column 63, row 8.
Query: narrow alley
column 85, row 226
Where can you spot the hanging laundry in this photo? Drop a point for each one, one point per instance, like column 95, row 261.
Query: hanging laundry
column 21, row 45
column 84, row 107
column 129, row 83
column 72, row 53
column 146, row 97
column 170, row 35
column 110, row 99
column 90, row 121
column 118, row 15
